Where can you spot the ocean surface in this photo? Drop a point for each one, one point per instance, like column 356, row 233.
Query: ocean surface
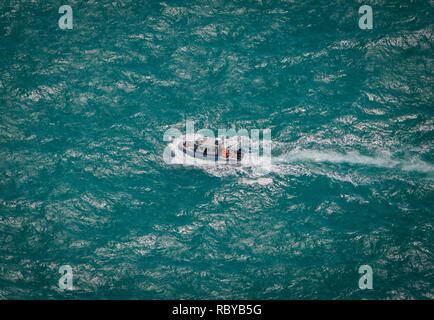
column 83, row 182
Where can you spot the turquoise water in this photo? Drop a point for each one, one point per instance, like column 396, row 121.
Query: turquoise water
column 83, row 183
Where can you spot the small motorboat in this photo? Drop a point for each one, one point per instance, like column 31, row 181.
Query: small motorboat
column 211, row 149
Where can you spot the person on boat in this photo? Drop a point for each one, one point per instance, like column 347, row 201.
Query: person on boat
column 226, row 153
column 239, row 155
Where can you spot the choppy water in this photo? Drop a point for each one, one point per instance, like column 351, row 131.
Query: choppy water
column 83, row 113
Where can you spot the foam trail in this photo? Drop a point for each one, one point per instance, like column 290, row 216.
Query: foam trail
column 335, row 157
column 418, row 166
column 383, row 161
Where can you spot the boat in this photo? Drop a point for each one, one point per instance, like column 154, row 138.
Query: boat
column 211, row 149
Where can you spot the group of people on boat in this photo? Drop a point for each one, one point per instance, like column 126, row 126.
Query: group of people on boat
column 206, row 150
